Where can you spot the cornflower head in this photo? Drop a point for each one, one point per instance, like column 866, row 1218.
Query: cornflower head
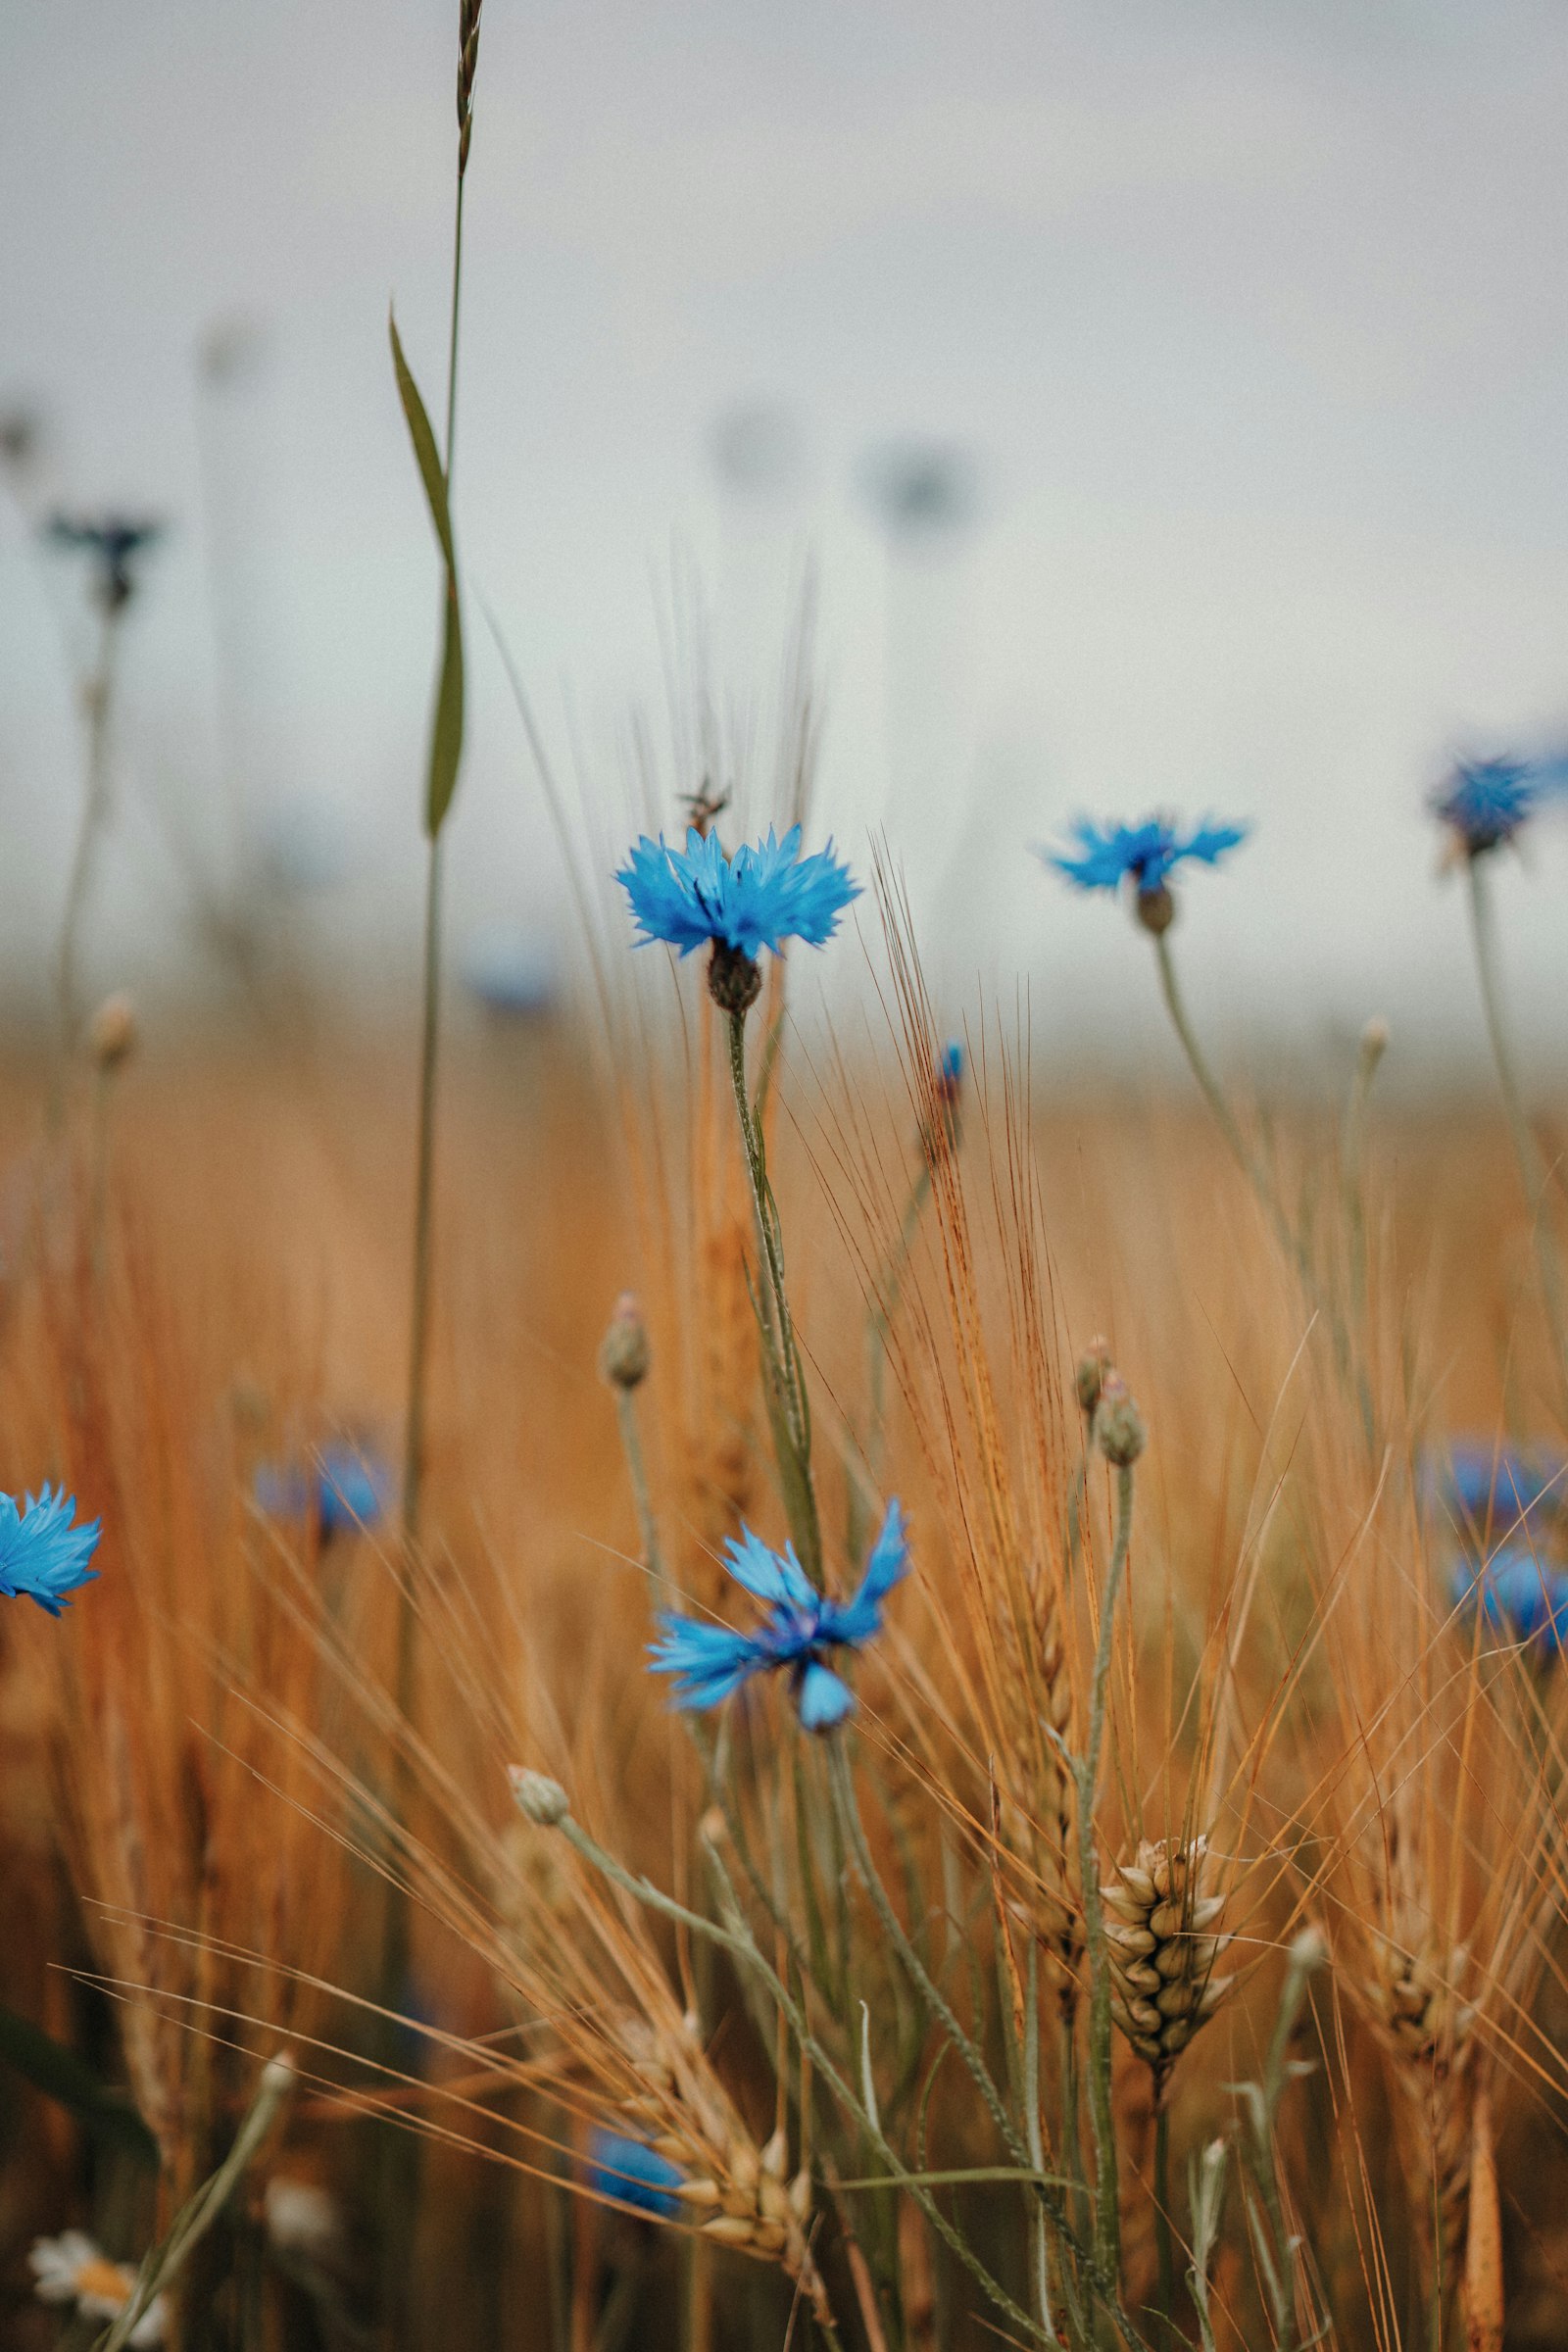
column 1144, row 857
column 114, row 542
column 699, row 897
column 1487, row 1491
column 1518, row 1596
column 1486, row 803
column 709, row 1662
column 634, row 2174
column 345, row 1488
column 43, row 1555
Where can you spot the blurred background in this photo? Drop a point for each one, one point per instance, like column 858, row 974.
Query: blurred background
column 1171, row 403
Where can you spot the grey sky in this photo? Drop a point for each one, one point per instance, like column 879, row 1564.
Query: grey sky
column 1255, row 315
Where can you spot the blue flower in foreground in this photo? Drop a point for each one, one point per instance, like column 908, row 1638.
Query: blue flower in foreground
column 1145, row 856
column 634, row 2174
column 711, row 1661
column 1489, row 1489
column 1485, row 803
column 763, row 895
column 344, row 1488
column 1518, row 1596
column 41, row 1554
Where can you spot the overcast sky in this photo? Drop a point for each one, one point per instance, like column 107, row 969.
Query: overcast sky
column 1254, row 314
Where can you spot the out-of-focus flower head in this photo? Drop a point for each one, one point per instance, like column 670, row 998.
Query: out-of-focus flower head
column 114, row 542
column 72, row 2269
column 709, row 1662
column 950, row 1074
column 1487, row 1490
column 767, row 893
column 1518, row 1596
column 1143, row 857
column 346, row 1487
column 1486, row 803
column 634, row 2174
column 43, row 1556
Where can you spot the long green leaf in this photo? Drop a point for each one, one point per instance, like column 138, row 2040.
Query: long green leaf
column 446, row 726
column 62, row 2076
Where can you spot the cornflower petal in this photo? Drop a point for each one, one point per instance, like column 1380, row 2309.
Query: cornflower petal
column 823, row 1699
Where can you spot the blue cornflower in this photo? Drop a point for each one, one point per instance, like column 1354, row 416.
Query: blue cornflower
column 42, row 1554
column 1144, row 855
column 115, row 542
column 1518, row 1596
column 344, row 1488
column 950, row 1072
column 1485, row 803
column 763, row 895
column 634, row 2174
column 1489, row 1490
column 711, row 1661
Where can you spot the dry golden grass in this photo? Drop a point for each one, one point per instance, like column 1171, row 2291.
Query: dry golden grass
column 206, row 1739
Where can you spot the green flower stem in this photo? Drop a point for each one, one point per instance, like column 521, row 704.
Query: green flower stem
column 1532, row 1168
column 631, row 1446
column 1108, row 2219
column 736, row 1937
column 1254, row 1170
column 193, row 2221
column 789, row 1405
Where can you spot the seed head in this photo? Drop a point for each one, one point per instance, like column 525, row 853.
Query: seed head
column 538, row 1798
column 1095, row 1367
column 734, row 981
column 623, row 1356
column 1120, row 1429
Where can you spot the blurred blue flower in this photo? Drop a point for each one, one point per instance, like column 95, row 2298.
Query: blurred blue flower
column 758, row 899
column 511, row 971
column 950, row 1072
column 1146, row 854
column 1485, row 803
column 113, row 541
column 41, row 1554
column 634, row 2174
column 711, row 1661
column 1489, row 1489
column 1520, row 1597
column 344, row 1488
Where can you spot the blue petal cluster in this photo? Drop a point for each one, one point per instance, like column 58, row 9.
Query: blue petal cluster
column 1487, row 1491
column 1145, row 856
column 42, row 1554
column 344, row 1489
column 758, row 899
column 634, row 2174
column 711, row 1661
column 1520, row 1597
column 1485, row 803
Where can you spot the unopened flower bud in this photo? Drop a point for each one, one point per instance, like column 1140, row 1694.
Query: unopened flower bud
column 733, row 980
column 623, row 1354
column 1094, row 1369
column 1118, row 1424
column 112, row 1032
column 538, row 1798
column 1156, row 909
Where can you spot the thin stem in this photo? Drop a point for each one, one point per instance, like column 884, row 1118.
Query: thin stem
column 878, row 1323
column 192, row 2223
column 790, row 1405
column 96, row 694
column 1108, row 2220
column 1164, row 2242
column 631, row 1446
column 1532, row 1168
